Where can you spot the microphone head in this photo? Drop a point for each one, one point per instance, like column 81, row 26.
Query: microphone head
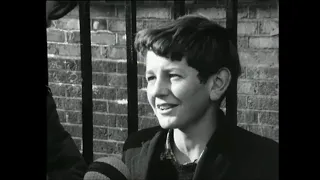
column 107, row 168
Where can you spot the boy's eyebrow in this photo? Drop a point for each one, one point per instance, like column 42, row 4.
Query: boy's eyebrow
column 166, row 69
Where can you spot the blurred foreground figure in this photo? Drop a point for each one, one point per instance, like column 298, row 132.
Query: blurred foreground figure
column 64, row 160
column 189, row 66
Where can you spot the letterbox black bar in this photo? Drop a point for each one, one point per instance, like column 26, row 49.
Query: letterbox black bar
column 178, row 8
column 231, row 25
column 86, row 74
column 132, row 78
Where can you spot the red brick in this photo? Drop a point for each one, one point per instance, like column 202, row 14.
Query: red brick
column 210, row 12
column 269, row 27
column 64, row 49
column 99, row 106
column 104, row 146
column 243, row 42
column 269, row 118
column 99, row 24
column 100, row 79
column 104, row 66
column 262, row 57
column 67, row 24
column 73, row 65
column 147, row 122
column 265, row 73
column 116, row 25
column 73, row 37
column 152, row 12
column 118, row 80
column 122, row 67
column 141, row 69
column 55, row 63
column 274, row 12
column 107, row 120
column 74, row 90
column 268, row 88
column 145, row 110
column 121, row 39
column 64, row 76
column 117, row 134
column 263, row 103
column 247, row 28
column 103, row 38
column 100, row 133
column 142, row 96
column 59, row 102
column 74, row 130
column 117, row 108
column 259, row 12
column 62, row 115
column 243, row 12
column 122, row 121
column 252, row 128
column 57, row 89
column 271, row 132
column 114, row 52
column 105, row 93
column 241, row 116
column 153, row 23
column 242, row 102
column 55, row 35
column 264, row 42
column 96, row 52
column 247, row 87
column 121, row 94
column 73, row 117
column 251, row 117
column 141, row 82
column 73, row 104
column 102, row 10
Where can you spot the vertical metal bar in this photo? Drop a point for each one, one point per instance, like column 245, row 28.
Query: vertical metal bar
column 179, row 8
column 231, row 25
column 132, row 78
column 86, row 73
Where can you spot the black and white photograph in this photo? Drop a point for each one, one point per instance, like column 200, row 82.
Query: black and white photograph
column 162, row 90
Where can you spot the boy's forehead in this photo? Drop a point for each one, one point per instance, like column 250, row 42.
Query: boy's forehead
column 155, row 61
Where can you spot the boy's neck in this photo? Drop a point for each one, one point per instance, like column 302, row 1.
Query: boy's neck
column 190, row 143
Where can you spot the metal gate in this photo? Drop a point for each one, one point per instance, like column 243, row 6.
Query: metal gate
column 132, row 89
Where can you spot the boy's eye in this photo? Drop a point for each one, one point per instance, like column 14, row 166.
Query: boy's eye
column 174, row 75
column 150, row 78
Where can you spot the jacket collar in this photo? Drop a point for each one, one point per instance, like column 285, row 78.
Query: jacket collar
column 213, row 163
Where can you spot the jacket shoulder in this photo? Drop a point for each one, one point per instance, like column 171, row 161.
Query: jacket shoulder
column 258, row 153
column 136, row 139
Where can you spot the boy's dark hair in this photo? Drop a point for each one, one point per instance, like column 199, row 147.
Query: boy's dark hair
column 204, row 43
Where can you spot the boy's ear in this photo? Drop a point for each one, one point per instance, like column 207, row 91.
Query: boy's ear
column 219, row 83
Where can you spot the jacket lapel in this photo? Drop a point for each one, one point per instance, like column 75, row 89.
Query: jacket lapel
column 215, row 161
column 150, row 155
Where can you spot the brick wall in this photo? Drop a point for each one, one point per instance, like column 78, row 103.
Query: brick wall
column 258, row 86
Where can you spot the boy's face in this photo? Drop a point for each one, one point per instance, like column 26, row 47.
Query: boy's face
column 175, row 92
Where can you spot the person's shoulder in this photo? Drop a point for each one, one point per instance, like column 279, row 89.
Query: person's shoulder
column 258, row 142
column 136, row 139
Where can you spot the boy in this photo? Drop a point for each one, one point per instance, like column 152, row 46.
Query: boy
column 189, row 66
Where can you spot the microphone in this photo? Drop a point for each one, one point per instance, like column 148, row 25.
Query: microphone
column 107, row 168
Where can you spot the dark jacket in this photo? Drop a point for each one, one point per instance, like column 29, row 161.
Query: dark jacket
column 232, row 153
column 64, row 161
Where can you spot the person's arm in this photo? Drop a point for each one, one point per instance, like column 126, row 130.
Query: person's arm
column 64, row 160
